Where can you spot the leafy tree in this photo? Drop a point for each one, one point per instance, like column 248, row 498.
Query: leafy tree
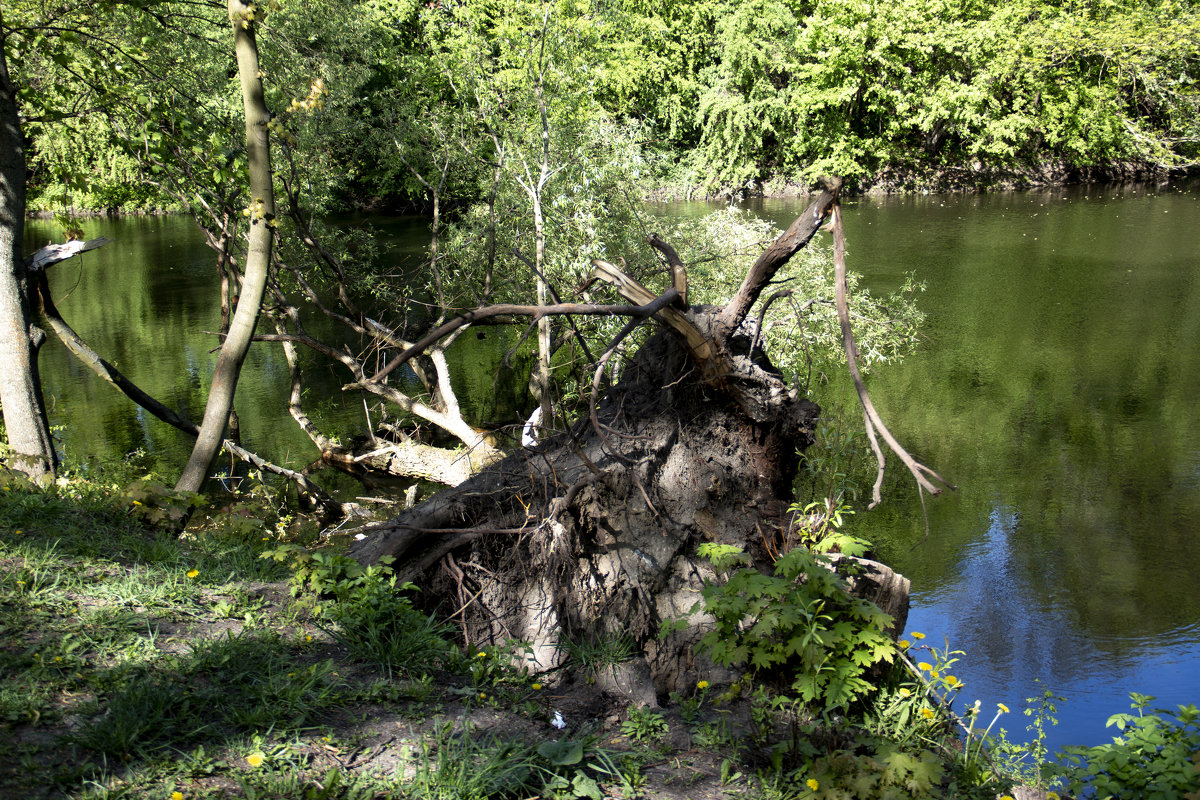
column 871, row 90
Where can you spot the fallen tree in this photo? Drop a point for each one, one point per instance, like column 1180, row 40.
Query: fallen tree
column 595, row 531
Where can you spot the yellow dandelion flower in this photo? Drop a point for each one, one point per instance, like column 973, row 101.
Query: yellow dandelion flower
column 481, row 654
column 537, row 687
column 952, row 681
column 1006, row 797
column 916, row 635
column 933, row 673
column 1003, row 708
column 927, row 713
column 906, row 692
column 813, row 783
column 702, row 685
column 255, row 759
column 924, row 666
column 176, row 795
column 191, row 573
column 58, row 658
column 307, row 638
column 904, row 644
column 18, row 533
column 1052, row 796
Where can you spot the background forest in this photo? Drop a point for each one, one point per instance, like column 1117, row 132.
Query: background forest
column 127, row 105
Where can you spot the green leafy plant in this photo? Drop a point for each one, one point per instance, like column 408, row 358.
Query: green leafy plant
column 818, row 527
column 872, row 770
column 496, row 672
column 1156, row 756
column 798, row 627
column 326, row 574
column 155, row 504
column 594, row 653
column 644, row 725
column 1027, row 763
column 461, row 764
column 378, row 624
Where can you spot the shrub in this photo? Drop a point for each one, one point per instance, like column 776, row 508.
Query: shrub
column 799, row 625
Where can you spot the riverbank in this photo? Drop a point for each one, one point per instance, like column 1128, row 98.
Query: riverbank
column 972, row 179
column 144, row 665
column 968, row 179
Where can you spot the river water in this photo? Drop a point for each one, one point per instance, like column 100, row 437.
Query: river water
column 1055, row 386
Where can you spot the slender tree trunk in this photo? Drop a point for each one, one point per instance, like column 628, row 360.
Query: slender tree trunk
column 543, row 326
column 539, row 224
column 258, row 256
column 20, row 387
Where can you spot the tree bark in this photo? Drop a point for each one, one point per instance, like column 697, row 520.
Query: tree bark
column 20, row 385
column 258, row 256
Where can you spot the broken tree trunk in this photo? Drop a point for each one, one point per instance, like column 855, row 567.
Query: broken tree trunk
column 595, row 532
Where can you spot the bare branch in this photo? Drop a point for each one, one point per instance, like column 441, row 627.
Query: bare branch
column 775, row 256
column 537, row 312
column 679, row 277
column 108, row 372
column 873, row 421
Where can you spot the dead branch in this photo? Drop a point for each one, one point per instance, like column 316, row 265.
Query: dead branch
column 559, row 309
column 80, row 349
column 874, row 423
column 679, row 277
column 775, row 256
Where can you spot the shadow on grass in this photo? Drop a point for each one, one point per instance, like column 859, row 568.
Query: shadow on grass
column 84, row 590
column 222, row 690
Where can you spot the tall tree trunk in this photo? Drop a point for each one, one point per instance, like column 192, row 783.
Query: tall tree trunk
column 258, row 256
column 20, row 386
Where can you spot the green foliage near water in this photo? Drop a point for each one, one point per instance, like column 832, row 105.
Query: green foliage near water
column 798, row 627
column 126, row 105
column 1156, row 755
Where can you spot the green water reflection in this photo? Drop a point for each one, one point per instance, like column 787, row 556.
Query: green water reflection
column 1057, row 388
column 148, row 302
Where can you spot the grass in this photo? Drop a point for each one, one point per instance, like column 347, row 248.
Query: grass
column 138, row 663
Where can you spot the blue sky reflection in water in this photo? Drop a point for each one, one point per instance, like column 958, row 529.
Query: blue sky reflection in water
column 1057, row 388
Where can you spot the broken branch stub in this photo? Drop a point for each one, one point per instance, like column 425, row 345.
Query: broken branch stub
column 798, row 234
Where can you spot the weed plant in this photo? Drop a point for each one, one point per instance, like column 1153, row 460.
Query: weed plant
column 460, row 765
column 591, row 654
column 644, row 725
